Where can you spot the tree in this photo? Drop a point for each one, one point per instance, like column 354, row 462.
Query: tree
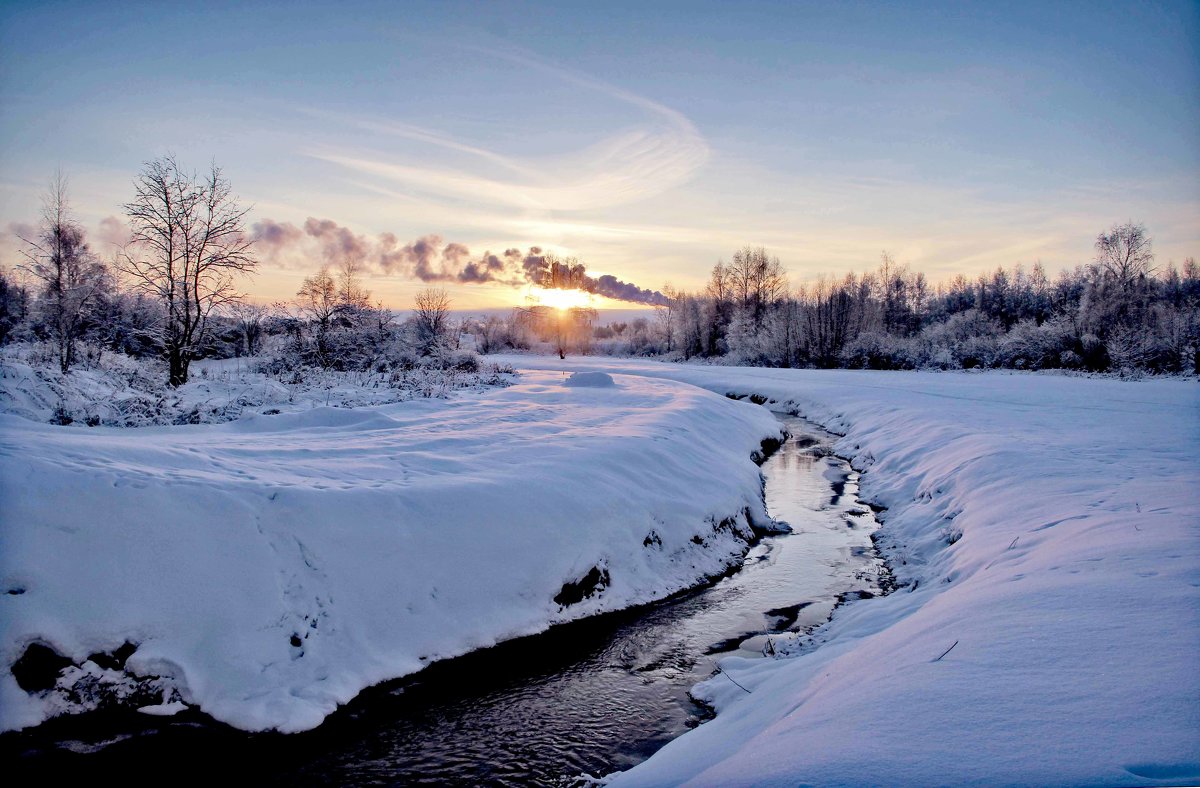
column 1124, row 253
column 318, row 300
column 188, row 244
column 1119, row 294
column 720, row 309
column 667, row 315
column 580, row 320
column 72, row 277
column 432, row 318
column 350, row 292
column 248, row 318
column 758, row 281
column 489, row 333
column 14, row 304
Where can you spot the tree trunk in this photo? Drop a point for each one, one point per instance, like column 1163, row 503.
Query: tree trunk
column 179, row 367
column 64, row 353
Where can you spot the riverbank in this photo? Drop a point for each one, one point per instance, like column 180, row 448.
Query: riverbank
column 1046, row 531
column 268, row 569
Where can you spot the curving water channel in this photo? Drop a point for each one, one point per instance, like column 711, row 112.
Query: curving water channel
column 592, row 696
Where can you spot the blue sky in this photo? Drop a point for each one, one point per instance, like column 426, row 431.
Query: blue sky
column 649, row 139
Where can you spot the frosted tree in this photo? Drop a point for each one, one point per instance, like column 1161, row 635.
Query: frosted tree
column 1124, row 253
column 758, row 281
column 667, row 315
column 14, row 305
column 71, row 276
column 350, row 291
column 489, row 333
column 431, row 315
column 318, row 300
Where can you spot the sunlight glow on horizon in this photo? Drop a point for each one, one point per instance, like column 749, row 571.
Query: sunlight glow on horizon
column 561, row 300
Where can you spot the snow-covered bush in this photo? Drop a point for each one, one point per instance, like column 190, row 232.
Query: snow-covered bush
column 877, row 350
column 1032, row 346
column 116, row 390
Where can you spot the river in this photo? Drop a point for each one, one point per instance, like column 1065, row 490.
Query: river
column 592, row 696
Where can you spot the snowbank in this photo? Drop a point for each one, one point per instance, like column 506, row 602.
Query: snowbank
column 270, row 568
column 1048, row 533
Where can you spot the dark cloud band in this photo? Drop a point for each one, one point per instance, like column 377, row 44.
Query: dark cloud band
column 431, row 259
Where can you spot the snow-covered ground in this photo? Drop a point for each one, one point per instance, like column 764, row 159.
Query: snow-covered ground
column 119, row 391
column 1047, row 531
column 270, row 568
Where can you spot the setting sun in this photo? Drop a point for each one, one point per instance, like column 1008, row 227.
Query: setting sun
column 561, row 299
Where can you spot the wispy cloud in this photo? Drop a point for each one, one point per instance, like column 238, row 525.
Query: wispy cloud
column 420, row 134
column 628, row 165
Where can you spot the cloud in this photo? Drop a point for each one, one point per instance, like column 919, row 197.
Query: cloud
column 19, row 232
column 431, row 259
column 275, row 242
column 338, row 244
column 113, row 232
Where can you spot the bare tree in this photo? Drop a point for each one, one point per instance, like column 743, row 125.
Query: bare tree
column 187, row 245
column 319, row 302
column 72, row 277
column 667, row 314
column 318, row 299
column 14, row 303
column 757, row 281
column 1119, row 293
column 1124, row 253
column 432, row 317
column 249, row 317
column 351, row 293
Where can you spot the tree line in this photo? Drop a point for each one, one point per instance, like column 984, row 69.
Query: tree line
column 1119, row 312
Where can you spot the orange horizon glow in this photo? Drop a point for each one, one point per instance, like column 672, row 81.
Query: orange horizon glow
column 561, row 300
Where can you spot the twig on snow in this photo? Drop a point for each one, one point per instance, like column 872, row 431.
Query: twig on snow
column 739, row 686
column 947, row 651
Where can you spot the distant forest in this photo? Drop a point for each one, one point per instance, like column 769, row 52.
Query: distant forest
column 1119, row 313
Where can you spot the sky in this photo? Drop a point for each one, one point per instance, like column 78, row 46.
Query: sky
column 647, row 139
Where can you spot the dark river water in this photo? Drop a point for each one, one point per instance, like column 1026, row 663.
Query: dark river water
column 590, row 697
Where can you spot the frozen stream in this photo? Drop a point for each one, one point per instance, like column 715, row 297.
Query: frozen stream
column 592, row 696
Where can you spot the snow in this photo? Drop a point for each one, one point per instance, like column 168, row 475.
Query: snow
column 1045, row 529
column 1047, row 533
column 271, row 567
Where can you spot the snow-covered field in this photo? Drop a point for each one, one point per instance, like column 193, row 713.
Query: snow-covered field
column 270, row 568
column 1048, row 533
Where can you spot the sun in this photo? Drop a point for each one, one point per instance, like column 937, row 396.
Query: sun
column 561, row 299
